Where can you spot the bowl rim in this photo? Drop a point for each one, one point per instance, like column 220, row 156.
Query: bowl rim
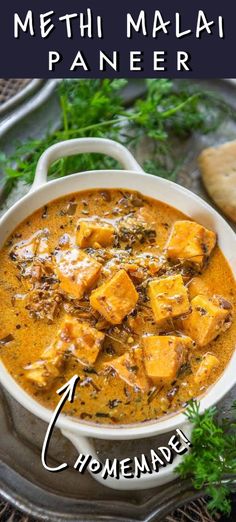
column 127, row 431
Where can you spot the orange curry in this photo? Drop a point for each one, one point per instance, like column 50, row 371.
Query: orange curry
column 124, row 291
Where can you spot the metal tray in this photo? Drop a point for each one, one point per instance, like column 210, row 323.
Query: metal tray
column 15, row 91
column 69, row 496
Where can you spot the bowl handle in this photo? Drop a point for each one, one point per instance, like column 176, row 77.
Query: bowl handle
column 85, row 446
column 79, row 146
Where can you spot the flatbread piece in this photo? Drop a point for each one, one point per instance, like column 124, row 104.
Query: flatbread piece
column 218, row 170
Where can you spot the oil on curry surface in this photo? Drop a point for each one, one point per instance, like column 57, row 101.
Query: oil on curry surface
column 126, row 292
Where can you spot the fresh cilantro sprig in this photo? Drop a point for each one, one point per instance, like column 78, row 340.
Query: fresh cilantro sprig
column 211, row 464
column 96, row 108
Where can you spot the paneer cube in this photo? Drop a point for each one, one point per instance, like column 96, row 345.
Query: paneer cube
column 56, row 350
column 115, row 298
column 190, row 242
column 168, row 297
column 74, row 338
column 198, row 286
column 132, row 230
column 208, row 364
column 136, row 323
column 130, row 368
column 42, row 373
column 77, row 272
column 209, row 317
column 163, row 356
column 83, row 340
column 95, row 234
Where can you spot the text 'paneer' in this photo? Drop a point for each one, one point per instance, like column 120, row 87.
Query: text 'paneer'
column 115, row 298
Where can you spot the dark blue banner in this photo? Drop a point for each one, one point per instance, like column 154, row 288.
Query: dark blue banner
column 97, row 38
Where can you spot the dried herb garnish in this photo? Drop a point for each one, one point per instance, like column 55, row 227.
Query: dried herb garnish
column 84, row 415
column 113, row 403
column 152, row 394
column 90, row 369
column 185, row 369
column 71, row 209
column 7, row 339
column 101, row 414
column 89, row 381
column 172, row 392
column 45, row 212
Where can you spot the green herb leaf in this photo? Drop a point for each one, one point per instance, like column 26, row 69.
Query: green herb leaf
column 96, row 108
column 212, row 457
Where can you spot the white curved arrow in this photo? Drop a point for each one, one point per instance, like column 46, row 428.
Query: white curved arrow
column 69, row 393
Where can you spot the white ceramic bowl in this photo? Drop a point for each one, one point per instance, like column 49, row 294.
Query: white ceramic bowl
column 133, row 178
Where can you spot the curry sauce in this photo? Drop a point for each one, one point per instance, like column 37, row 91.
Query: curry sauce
column 123, row 290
